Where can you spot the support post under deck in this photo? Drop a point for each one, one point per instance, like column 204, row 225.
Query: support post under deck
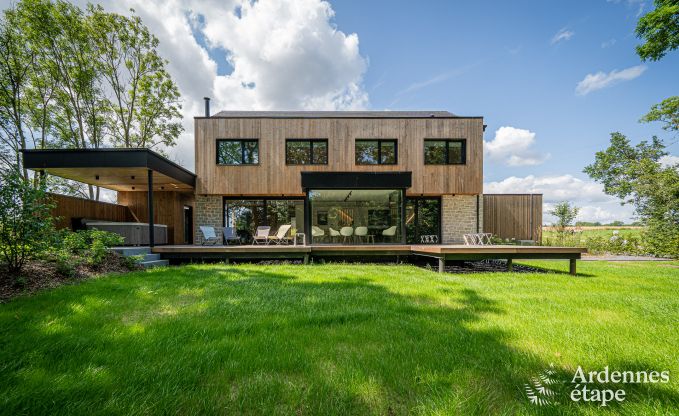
column 510, row 265
column 442, row 264
column 150, row 203
column 573, row 267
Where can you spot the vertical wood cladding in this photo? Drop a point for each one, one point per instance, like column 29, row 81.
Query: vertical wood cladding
column 273, row 177
column 513, row 216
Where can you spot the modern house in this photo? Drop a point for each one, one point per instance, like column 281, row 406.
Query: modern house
column 364, row 177
column 336, row 182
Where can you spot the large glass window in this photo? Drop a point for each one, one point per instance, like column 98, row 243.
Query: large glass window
column 306, row 152
column 445, row 152
column 376, row 152
column 423, row 220
column 238, row 152
column 356, row 216
column 245, row 215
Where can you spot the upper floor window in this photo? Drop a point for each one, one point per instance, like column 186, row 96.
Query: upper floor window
column 445, row 152
column 376, row 152
column 237, row 152
column 306, row 151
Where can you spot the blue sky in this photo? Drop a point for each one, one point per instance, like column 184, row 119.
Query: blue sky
column 498, row 60
column 551, row 78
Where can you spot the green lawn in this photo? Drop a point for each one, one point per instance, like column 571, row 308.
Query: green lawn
column 336, row 339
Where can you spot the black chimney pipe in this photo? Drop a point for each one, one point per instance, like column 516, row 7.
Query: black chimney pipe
column 207, row 106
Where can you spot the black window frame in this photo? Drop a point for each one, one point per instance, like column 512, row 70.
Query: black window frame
column 379, row 151
column 242, row 152
column 447, row 141
column 311, row 151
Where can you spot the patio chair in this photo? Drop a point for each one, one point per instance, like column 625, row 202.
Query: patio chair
column 361, row 232
column 230, row 235
column 390, row 232
column 347, row 233
column 261, row 235
column 334, row 234
column 209, row 235
column 317, row 232
column 281, row 235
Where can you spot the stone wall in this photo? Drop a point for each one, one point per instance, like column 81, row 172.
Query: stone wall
column 208, row 210
column 459, row 217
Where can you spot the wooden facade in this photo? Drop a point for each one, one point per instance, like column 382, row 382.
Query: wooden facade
column 168, row 209
column 68, row 208
column 273, row 177
column 516, row 216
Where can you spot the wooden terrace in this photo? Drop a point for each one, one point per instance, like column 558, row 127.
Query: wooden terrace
column 442, row 252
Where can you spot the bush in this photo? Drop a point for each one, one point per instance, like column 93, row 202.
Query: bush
column 25, row 221
column 83, row 247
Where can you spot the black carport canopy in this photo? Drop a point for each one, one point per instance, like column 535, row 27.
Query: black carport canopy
column 117, row 169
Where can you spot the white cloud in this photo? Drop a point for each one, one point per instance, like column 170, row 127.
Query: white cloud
column 513, row 147
column 593, row 82
column 608, row 43
column 562, row 35
column 669, row 160
column 594, row 204
column 285, row 55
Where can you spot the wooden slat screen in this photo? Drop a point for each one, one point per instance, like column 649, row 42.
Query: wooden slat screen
column 516, row 216
column 69, row 207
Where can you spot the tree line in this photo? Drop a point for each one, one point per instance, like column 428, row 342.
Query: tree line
column 74, row 78
column 635, row 173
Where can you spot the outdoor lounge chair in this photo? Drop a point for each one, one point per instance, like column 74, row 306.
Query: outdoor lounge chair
column 209, row 235
column 261, row 235
column 281, row 235
column 230, row 235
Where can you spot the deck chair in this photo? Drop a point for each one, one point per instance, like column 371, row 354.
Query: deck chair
column 230, row 235
column 209, row 235
column 281, row 235
column 261, row 235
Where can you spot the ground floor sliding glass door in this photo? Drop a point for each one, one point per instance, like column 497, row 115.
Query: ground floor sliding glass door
column 356, row 216
column 245, row 215
column 423, row 220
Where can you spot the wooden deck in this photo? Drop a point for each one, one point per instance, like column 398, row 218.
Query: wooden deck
column 442, row 252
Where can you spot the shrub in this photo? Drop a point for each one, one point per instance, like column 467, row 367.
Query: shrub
column 25, row 222
column 82, row 247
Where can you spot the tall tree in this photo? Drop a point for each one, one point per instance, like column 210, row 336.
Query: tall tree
column 16, row 61
column 659, row 29
column 144, row 98
column 635, row 175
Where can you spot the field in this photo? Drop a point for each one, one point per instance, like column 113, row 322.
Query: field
column 600, row 240
column 338, row 339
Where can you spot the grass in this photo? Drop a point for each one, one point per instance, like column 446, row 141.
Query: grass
column 336, row 339
column 606, row 232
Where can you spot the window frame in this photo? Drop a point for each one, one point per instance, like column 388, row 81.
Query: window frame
column 379, row 151
column 447, row 142
column 311, row 152
column 242, row 152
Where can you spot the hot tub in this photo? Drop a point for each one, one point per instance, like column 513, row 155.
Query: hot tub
column 134, row 233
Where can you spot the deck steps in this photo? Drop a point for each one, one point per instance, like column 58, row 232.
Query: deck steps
column 148, row 261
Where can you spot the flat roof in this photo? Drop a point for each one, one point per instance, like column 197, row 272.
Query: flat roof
column 117, row 169
column 335, row 114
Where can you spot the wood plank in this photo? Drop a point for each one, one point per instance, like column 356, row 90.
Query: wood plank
column 517, row 216
column 273, row 177
column 68, row 207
